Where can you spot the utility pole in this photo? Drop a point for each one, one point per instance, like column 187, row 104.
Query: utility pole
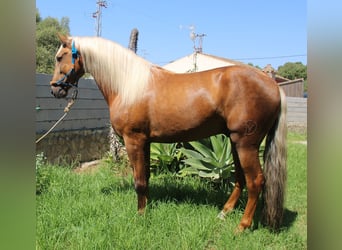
column 98, row 16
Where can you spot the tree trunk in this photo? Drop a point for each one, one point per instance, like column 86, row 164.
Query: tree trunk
column 133, row 40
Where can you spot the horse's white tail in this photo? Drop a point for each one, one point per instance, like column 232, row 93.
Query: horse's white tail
column 275, row 168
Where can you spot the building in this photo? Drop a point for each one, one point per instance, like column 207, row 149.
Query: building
column 201, row 61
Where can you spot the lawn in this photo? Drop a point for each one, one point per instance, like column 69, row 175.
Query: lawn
column 97, row 210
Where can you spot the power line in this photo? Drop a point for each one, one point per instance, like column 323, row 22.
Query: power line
column 251, row 58
column 268, row 57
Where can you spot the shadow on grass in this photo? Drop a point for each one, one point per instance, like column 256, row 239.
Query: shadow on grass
column 178, row 190
column 181, row 192
column 289, row 217
column 175, row 189
column 121, row 184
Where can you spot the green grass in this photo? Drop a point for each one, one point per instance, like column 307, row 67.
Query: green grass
column 98, row 211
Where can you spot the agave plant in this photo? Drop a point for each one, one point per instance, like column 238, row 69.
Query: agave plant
column 209, row 158
column 165, row 157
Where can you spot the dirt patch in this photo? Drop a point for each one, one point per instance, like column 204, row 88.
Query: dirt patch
column 297, row 128
column 88, row 167
column 301, row 142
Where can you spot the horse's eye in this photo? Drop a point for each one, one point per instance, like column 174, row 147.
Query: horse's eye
column 59, row 58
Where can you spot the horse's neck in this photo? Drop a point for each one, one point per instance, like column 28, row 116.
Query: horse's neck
column 102, row 83
column 108, row 94
column 117, row 71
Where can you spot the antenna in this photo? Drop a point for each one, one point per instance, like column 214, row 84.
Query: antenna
column 196, row 39
column 199, row 37
column 98, row 16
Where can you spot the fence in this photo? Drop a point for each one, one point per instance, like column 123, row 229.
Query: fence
column 83, row 134
column 294, row 88
column 90, row 110
column 297, row 111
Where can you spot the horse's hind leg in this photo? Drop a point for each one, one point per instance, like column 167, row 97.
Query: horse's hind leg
column 250, row 164
column 239, row 185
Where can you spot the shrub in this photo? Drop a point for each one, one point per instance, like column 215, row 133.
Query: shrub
column 165, row 157
column 42, row 174
column 209, row 158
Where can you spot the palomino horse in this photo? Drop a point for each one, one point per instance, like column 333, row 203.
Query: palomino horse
column 150, row 104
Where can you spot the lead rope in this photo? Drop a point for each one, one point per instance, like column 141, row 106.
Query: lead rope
column 66, row 110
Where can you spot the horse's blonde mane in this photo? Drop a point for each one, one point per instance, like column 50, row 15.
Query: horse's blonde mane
column 116, row 68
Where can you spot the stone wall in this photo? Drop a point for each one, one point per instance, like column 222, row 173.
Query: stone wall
column 70, row 147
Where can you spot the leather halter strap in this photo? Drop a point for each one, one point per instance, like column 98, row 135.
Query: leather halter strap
column 61, row 82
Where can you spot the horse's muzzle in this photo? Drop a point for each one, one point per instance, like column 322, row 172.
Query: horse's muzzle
column 58, row 91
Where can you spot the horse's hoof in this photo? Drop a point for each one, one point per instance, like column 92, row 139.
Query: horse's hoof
column 242, row 229
column 141, row 211
column 221, row 216
column 239, row 230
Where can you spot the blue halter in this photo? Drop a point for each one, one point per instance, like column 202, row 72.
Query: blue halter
column 74, row 52
column 74, row 56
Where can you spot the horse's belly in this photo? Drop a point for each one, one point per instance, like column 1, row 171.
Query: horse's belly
column 182, row 130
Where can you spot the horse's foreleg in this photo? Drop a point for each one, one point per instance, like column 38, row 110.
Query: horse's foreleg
column 251, row 167
column 239, row 185
column 138, row 151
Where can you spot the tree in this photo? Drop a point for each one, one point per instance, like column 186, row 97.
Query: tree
column 47, row 41
column 65, row 24
column 38, row 18
column 293, row 70
column 255, row 66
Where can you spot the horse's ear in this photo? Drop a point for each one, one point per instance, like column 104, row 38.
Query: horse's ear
column 63, row 38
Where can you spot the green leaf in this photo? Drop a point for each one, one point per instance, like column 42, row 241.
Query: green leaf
column 225, row 155
column 205, row 151
column 226, row 172
column 198, row 164
column 191, row 153
column 210, row 163
column 218, row 143
column 188, row 171
column 211, row 175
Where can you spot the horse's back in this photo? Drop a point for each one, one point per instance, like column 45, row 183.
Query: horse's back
column 214, row 101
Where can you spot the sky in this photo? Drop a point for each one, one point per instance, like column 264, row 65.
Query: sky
column 260, row 32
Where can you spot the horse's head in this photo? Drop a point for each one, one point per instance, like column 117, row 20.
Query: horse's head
column 68, row 68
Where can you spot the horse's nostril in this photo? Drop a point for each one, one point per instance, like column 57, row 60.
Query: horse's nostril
column 61, row 92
